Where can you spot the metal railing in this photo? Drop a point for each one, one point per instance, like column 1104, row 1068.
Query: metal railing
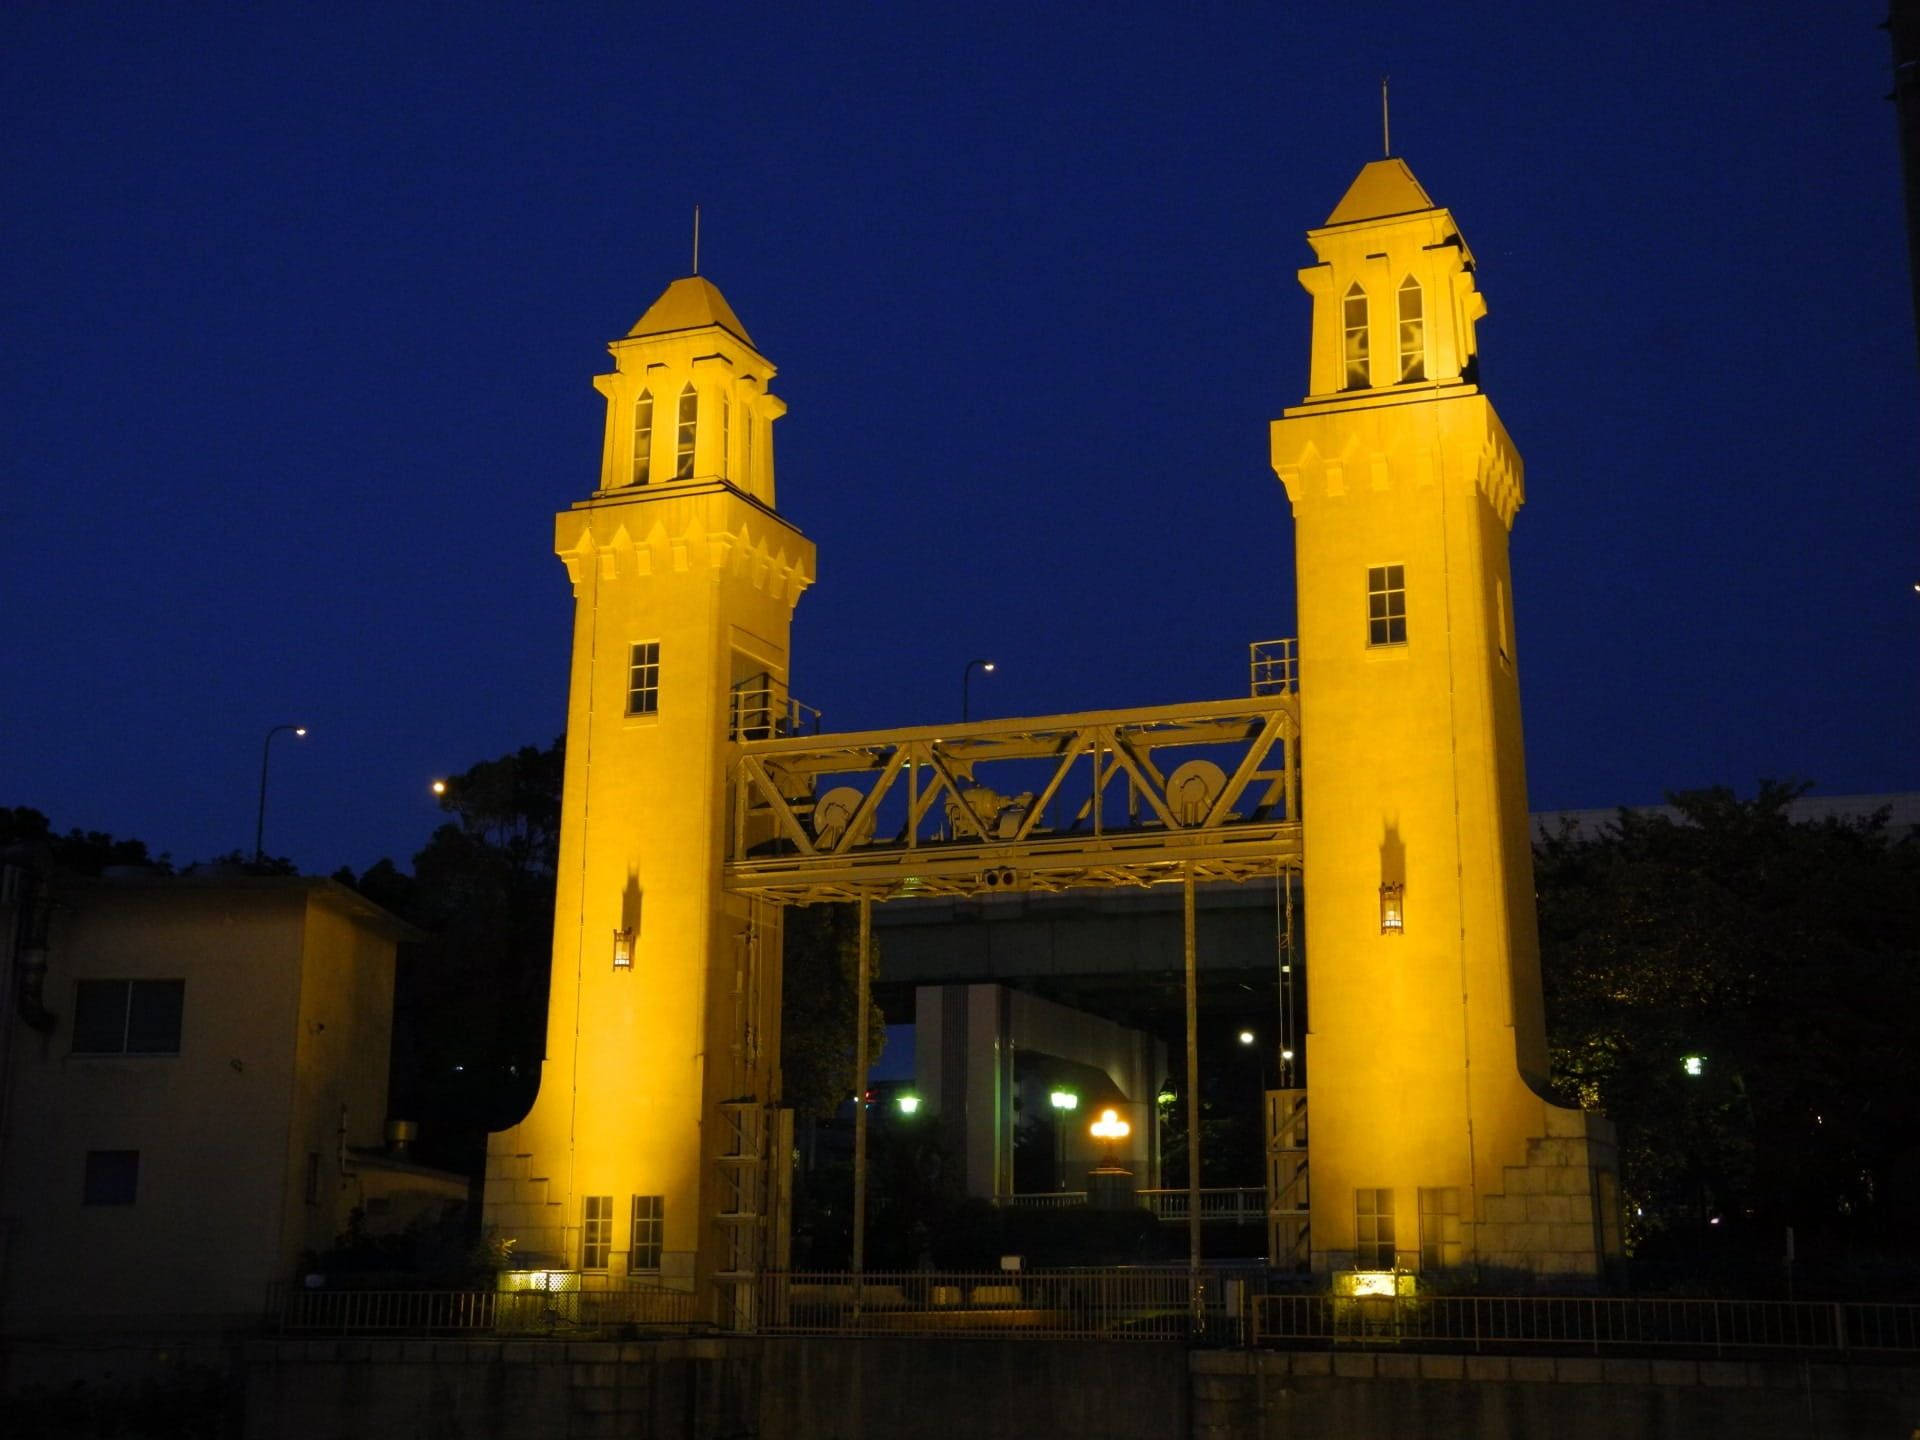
column 1124, row 1304
column 294, row 1310
column 1584, row 1323
column 1241, row 1205
column 1271, row 667
column 761, row 709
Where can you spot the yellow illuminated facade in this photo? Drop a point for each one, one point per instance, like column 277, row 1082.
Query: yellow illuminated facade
column 643, row 1160
column 1432, row 1143
column 655, row 1152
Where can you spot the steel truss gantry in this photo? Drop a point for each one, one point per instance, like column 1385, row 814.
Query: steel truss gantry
column 1208, row 789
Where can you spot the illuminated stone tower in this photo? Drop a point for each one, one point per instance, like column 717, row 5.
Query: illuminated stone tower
column 642, row 1160
column 1431, row 1144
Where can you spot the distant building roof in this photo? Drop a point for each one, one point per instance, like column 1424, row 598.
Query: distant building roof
column 690, row 304
column 208, row 881
column 1383, row 188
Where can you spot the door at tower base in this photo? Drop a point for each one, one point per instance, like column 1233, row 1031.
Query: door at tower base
column 1432, row 1146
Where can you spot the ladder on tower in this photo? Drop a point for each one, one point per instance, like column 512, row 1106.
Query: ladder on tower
column 750, row 1219
column 1288, row 1238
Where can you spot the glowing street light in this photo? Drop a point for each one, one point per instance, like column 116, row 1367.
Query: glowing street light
column 909, row 1104
column 966, row 679
column 438, row 787
column 1694, row 1064
column 1246, row 1037
column 1065, row 1100
column 260, row 823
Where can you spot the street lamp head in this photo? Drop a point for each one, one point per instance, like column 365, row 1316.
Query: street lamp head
column 987, row 666
column 299, row 730
column 439, row 787
column 1246, row 1037
column 1286, row 1054
column 1064, row 1100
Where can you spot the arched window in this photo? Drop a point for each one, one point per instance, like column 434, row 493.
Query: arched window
column 726, row 438
column 1353, row 323
column 643, row 438
column 1413, row 332
column 683, row 450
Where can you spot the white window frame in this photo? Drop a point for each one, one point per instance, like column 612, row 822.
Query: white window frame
column 596, row 1231
column 647, row 1233
column 1413, row 332
column 642, row 438
column 1386, row 605
column 643, row 678
column 687, row 433
column 1355, row 342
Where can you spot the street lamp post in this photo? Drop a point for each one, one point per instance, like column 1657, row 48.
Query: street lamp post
column 260, row 822
column 966, row 680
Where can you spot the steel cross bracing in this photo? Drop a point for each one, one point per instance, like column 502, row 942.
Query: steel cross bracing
column 1103, row 798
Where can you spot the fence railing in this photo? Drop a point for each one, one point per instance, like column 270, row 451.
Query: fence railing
column 1217, row 1306
column 1129, row 1304
column 1244, row 1205
column 1589, row 1323
column 294, row 1310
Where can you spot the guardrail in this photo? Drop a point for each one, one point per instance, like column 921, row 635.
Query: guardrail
column 1589, row 1323
column 294, row 1310
column 1129, row 1304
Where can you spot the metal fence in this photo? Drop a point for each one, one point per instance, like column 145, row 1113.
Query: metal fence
column 1587, row 1324
column 1245, row 1205
column 1126, row 1304
column 294, row 1310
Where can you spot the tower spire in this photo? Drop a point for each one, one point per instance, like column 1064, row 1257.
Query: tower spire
column 1386, row 133
column 696, row 239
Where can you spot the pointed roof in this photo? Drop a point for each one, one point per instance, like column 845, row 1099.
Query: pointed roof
column 1383, row 188
column 690, row 304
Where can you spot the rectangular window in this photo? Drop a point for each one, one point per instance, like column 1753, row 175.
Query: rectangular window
column 1373, row 1229
column 112, row 1177
column 128, row 1017
column 1387, row 605
column 596, row 1232
column 726, row 437
column 649, row 1230
column 643, row 679
column 683, row 449
column 1439, row 1228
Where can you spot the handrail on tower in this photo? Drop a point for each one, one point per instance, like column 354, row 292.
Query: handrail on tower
column 1271, row 667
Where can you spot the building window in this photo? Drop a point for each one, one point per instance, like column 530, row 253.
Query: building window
column 128, row 1017
column 596, row 1232
column 726, row 437
column 1413, row 333
column 1373, row 1229
column 1439, row 1228
column 1353, row 322
column 683, row 450
column 112, row 1177
column 643, row 438
column 1504, row 620
column 643, row 679
column 1387, row 605
column 313, row 1177
column 649, row 1230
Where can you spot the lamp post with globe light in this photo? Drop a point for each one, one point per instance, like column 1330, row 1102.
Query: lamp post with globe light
column 966, row 681
column 260, row 821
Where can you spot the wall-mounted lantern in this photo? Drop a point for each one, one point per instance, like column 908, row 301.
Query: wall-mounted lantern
column 623, row 949
column 1393, row 913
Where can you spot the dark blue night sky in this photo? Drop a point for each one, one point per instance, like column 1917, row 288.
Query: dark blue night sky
column 302, row 306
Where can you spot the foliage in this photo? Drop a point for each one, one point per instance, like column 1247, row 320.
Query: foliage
column 819, row 999
column 77, row 852
column 434, row 1250
column 1787, row 956
column 470, row 1002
